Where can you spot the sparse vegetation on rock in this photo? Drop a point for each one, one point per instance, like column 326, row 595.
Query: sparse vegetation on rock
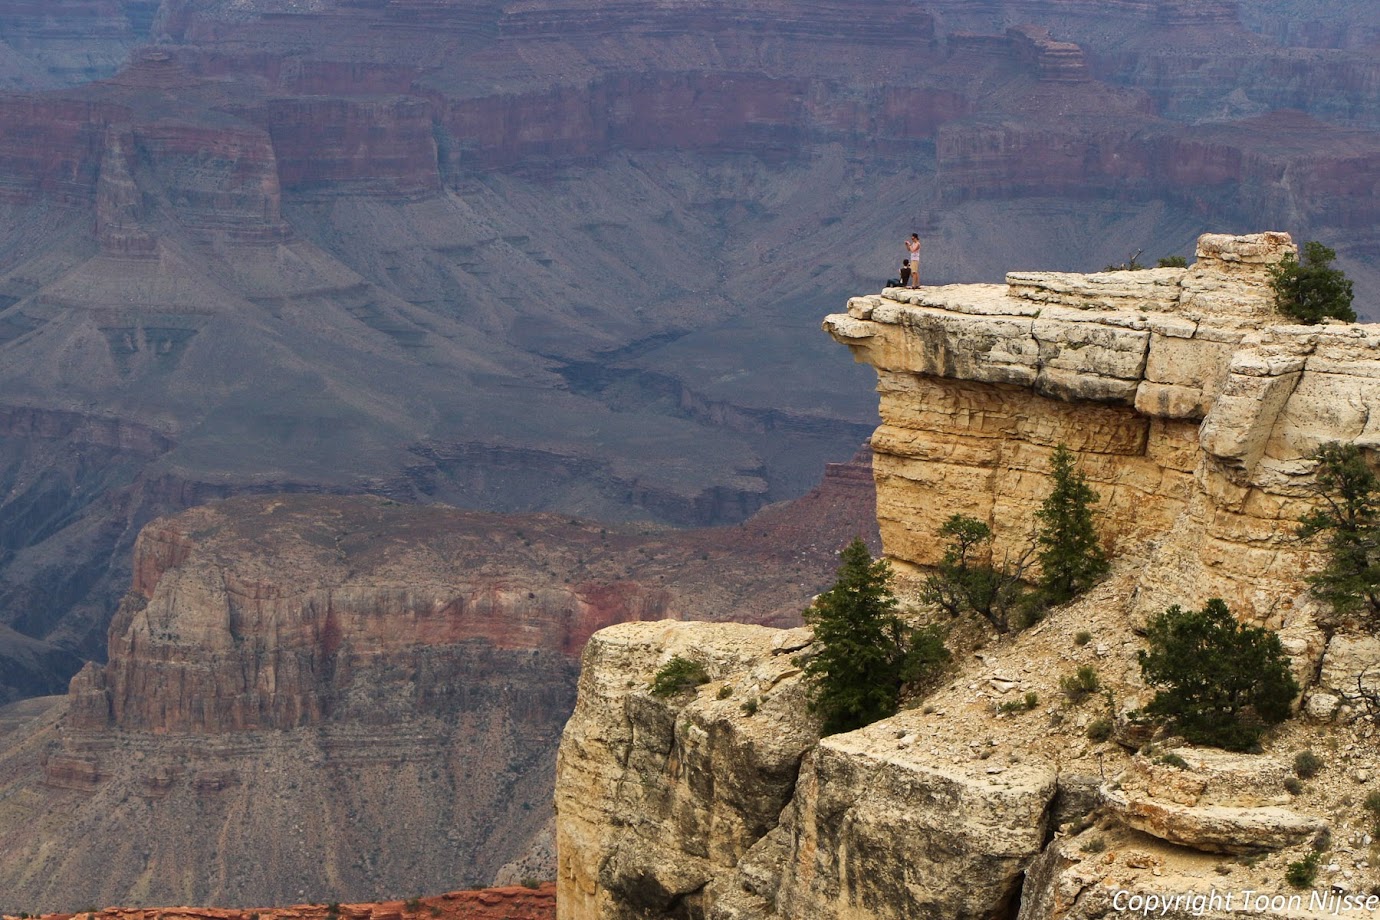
column 1081, row 684
column 1071, row 557
column 1222, row 682
column 1312, row 290
column 678, row 675
column 1348, row 522
column 1172, row 262
column 866, row 651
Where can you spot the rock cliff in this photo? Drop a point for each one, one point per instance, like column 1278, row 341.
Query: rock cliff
column 1193, row 412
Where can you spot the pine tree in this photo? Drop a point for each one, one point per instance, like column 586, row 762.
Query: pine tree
column 1071, row 558
column 1223, row 682
column 1349, row 517
column 1312, row 290
column 856, row 675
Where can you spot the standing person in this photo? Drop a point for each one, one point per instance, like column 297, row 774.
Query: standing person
column 913, row 254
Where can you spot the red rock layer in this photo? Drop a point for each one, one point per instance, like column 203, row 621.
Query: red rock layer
column 511, row 903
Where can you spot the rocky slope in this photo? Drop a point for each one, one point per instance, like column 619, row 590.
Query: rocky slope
column 347, row 698
column 1193, row 411
column 404, row 247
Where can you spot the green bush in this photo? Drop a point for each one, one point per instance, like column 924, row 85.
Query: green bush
column 1223, row 682
column 1307, row 764
column 1312, row 290
column 678, row 675
column 967, row 583
column 1081, row 684
column 1172, row 262
column 1303, row 873
column 866, row 652
column 1082, row 638
column 1348, row 520
column 1071, row 558
column 1099, row 730
column 1172, row 760
column 1024, row 704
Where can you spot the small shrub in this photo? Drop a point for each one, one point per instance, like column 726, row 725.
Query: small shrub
column 1312, row 290
column 1082, row 638
column 433, row 910
column 1293, row 785
column 1095, row 845
column 1303, row 873
column 1172, row 760
column 1372, row 805
column 1081, row 684
column 1024, row 704
column 678, row 675
column 1307, row 764
column 530, row 882
column 412, row 905
column 1099, row 730
column 1172, row 262
column 1223, row 682
column 750, row 706
column 724, row 692
column 333, row 909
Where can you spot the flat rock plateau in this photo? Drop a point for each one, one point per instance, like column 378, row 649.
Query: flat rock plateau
column 566, row 255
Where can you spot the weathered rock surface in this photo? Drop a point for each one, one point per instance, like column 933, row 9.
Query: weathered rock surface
column 655, row 797
column 1218, row 803
column 1192, row 410
column 671, row 808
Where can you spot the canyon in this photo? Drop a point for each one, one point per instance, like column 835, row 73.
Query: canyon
column 349, row 698
column 549, row 255
column 1195, row 413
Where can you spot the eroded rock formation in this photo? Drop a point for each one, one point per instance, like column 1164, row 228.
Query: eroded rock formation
column 314, row 696
column 1192, row 407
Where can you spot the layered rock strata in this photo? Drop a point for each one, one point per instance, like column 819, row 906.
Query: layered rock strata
column 1191, row 406
column 315, row 696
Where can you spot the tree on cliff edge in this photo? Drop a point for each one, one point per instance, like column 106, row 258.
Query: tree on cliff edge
column 1071, row 558
column 866, row 651
column 1312, row 290
column 1348, row 520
